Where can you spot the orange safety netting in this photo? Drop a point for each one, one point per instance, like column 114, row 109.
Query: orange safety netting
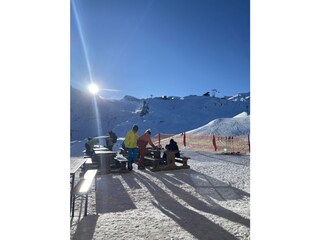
column 206, row 142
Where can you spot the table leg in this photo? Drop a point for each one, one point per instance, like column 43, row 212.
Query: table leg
column 171, row 159
column 108, row 164
column 72, row 185
column 102, row 165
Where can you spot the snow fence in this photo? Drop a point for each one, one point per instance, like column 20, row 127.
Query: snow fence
column 207, row 142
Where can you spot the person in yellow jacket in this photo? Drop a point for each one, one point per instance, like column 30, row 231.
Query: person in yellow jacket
column 130, row 143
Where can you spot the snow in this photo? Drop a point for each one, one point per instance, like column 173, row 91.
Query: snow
column 238, row 125
column 243, row 114
column 173, row 116
column 211, row 200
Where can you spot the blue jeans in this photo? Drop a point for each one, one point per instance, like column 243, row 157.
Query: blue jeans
column 132, row 154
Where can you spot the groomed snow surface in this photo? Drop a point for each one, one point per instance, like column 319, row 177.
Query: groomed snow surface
column 211, row 200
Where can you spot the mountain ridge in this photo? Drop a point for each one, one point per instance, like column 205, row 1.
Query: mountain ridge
column 92, row 116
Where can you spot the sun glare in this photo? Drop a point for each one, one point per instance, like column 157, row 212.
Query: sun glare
column 93, row 88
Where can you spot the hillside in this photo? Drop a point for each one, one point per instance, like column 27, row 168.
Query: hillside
column 165, row 115
column 238, row 125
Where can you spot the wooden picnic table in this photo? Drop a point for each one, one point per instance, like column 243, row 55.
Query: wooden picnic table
column 75, row 164
column 170, row 159
column 105, row 158
column 100, row 149
column 157, row 153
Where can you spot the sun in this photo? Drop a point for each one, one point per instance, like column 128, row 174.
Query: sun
column 93, row 88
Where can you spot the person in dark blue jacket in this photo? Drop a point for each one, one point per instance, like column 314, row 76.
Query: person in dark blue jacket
column 172, row 146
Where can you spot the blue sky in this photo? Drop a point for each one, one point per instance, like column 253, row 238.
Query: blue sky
column 167, row 47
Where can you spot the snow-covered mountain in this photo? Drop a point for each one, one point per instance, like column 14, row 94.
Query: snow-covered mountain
column 238, row 125
column 196, row 114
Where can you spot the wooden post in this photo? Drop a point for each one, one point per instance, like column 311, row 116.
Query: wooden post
column 214, row 142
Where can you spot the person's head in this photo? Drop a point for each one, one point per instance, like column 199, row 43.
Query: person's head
column 135, row 128
column 171, row 140
column 148, row 131
column 89, row 138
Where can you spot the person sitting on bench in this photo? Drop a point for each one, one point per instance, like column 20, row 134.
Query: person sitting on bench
column 89, row 145
column 172, row 146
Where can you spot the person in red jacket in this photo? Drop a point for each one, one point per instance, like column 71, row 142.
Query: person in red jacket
column 142, row 143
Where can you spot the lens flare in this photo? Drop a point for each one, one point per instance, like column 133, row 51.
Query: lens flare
column 93, row 88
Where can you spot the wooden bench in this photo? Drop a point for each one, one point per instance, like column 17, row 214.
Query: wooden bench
column 81, row 190
column 122, row 161
column 183, row 160
column 155, row 162
column 90, row 165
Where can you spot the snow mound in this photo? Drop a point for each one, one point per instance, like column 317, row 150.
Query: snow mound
column 243, row 114
column 226, row 127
